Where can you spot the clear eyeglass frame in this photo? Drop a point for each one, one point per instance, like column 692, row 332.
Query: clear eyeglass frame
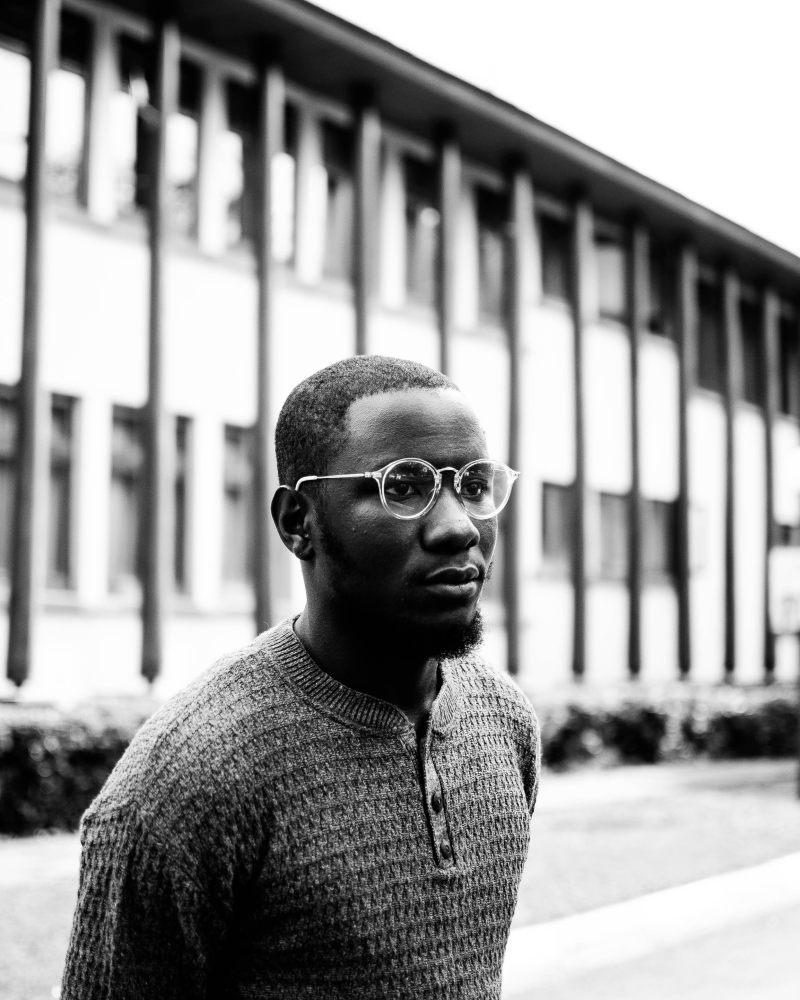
column 381, row 476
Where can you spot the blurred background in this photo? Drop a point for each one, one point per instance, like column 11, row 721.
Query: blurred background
column 583, row 212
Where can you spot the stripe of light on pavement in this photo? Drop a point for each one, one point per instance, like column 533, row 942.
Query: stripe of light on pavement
column 547, row 953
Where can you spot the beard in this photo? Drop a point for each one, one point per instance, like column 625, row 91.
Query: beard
column 396, row 631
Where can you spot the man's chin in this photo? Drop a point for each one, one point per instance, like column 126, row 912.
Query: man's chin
column 443, row 640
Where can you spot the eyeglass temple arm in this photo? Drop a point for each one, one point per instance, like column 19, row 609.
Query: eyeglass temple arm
column 340, row 475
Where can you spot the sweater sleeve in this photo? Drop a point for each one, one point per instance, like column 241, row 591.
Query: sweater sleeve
column 533, row 763
column 142, row 926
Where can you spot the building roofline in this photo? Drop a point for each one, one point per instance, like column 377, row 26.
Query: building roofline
column 332, row 56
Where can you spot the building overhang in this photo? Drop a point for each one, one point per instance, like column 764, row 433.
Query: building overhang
column 328, row 55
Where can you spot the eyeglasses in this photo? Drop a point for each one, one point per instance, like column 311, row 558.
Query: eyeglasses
column 409, row 487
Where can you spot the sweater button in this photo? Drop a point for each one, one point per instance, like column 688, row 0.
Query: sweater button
column 446, row 849
column 436, row 802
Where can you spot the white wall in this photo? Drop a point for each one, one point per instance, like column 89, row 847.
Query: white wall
column 706, row 433
column 12, row 265
column 749, row 544
column 658, row 471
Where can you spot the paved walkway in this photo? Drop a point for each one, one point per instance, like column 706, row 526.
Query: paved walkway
column 543, row 954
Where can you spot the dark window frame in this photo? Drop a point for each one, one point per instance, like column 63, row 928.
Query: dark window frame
column 555, row 256
column 558, row 528
column 126, row 473
column 614, row 548
column 238, row 563
column 60, row 569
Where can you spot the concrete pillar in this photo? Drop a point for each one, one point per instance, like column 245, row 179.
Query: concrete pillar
column 157, row 436
column 687, row 375
column 212, row 207
column 31, row 484
column 583, row 305
column 99, row 173
column 272, row 101
column 310, row 194
column 770, row 332
column 391, row 230
column 449, row 204
column 365, row 248
column 732, row 395
column 639, row 265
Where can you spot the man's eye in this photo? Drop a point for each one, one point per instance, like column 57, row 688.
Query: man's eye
column 399, row 489
column 476, row 488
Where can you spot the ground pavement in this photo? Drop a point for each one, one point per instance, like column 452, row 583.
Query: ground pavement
column 646, row 882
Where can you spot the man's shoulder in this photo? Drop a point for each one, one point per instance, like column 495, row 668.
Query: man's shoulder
column 479, row 679
column 210, row 736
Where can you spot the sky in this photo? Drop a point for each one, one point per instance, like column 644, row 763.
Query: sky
column 701, row 95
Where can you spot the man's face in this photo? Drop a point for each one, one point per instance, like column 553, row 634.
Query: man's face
column 415, row 581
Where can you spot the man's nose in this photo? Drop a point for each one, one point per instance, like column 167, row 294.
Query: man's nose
column 448, row 525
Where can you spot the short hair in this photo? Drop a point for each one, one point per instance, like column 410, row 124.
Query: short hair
column 312, row 425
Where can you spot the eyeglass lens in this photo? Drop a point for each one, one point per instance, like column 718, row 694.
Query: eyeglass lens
column 409, row 487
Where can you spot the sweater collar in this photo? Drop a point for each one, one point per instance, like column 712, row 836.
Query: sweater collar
column 289, row 655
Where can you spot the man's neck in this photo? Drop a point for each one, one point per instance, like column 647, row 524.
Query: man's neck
column 372, row 667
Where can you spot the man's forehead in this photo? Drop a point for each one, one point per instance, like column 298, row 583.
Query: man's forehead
column 439, row 419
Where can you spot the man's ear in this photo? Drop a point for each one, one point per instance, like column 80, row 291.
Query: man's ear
column 291, row 512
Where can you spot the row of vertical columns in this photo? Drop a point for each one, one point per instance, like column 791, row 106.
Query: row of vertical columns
column 30, row 450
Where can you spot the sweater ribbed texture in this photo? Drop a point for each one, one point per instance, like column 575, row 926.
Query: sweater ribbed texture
column 271, row 833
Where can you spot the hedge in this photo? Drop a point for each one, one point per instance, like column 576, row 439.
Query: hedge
column 715, row 723
column 52, row 764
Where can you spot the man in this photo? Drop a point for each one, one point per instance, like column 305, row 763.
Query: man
column 342, row 808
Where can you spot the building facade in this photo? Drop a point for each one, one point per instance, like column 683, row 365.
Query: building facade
column 198, row 210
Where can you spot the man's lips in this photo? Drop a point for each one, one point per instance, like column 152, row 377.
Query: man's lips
column 454, row 582
column 455, row 575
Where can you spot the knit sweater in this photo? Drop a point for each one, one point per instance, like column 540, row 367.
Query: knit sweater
column 273, row 833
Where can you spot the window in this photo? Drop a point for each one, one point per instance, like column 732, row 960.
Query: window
column 555, row 248
column 14, row 80
column 127, row 466
column 789, row 332
column 422, row 230
column 59, row 555
column 181, row 164
column 239, row 153
column 612, row 276
column 558, row 527
column 614, row 546
column 337, row 162
column 181, row 539
column 752, row 355
column 662, row 289
column 710, row 348
column 8, row 450
column 493, row 221
column 659, row 538
column 238, row 565
column 132, row 120
column 788, row 534
column 66, row 109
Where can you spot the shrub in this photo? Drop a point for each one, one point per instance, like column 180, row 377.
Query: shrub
column 636, row 732
column 718, row 723
column 52, row 765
